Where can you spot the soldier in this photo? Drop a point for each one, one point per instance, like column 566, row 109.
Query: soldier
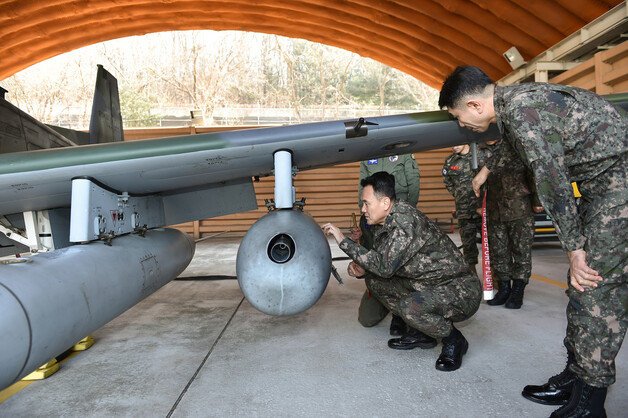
column 405, row 170
column 415, row 270
column 566, row 134
column 510, row 222
column 457, row 175
column 407, row 181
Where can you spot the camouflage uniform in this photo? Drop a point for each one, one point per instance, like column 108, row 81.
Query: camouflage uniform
column 510, row 220
column 418, row 272
column 457, row 175
column 407, row 180
column 566, row 134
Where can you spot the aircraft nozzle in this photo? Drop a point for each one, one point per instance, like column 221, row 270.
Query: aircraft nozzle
column 281, row 248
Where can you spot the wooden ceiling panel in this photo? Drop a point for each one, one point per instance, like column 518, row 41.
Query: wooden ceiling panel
column 560, row 17
column 522, row 19
column 588, row 10
column 425, row 38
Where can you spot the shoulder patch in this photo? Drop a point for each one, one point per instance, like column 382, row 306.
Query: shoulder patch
column 393, row 158
column 372, row 162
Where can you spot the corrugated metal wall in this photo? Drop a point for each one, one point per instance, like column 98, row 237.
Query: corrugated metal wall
column 426, row 39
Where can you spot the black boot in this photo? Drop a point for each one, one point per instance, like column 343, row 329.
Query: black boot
column 454, row 347
column 412, row 338
column 557, row 390
column 502, row 294
column 585, row 402
column 516, row 295
column 397, row 326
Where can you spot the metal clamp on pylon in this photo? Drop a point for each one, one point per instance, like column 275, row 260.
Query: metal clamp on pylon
column 99, row 212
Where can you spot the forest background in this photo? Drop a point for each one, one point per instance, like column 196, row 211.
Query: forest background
column 217, row 78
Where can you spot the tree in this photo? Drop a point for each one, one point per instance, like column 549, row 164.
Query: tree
column 204, row 70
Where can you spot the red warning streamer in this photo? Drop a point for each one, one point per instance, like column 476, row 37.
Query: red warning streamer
column 487, row 276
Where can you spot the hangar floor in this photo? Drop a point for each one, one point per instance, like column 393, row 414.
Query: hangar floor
column 197, row 349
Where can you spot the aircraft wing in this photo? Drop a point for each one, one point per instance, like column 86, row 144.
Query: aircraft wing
column 180, row 167
column 42, row 179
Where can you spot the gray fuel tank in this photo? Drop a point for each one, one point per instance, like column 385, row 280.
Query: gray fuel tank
column 53, row 300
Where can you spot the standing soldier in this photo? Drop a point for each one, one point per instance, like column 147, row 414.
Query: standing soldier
column 510, row 230
column 457, row 175
column 407, row 180
column 566, row 134
column 405, row 170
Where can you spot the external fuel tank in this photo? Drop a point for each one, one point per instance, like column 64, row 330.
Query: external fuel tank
column 50, row 301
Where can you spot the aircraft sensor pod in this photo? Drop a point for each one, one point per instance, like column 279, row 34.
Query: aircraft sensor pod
column 284, row 263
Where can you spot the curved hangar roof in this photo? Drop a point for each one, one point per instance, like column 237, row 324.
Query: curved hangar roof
column 424, row 38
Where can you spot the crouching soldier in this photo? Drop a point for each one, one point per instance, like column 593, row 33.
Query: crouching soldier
column 415, row 270
column 407, row 181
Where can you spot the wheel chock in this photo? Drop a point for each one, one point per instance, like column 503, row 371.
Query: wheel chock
column 84, row 344
column 44, row 371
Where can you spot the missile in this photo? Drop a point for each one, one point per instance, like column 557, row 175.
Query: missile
column 50, row 301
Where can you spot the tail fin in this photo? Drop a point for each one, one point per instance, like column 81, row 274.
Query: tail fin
column 106, row 121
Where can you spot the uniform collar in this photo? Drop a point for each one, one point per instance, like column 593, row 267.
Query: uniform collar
column 398, row 206
column 389, row 217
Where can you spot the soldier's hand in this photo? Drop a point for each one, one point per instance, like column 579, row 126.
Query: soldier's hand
column 331, row 229
column 582, row 277
column 355, row 235
column 538, row 209
column 479, row 180
column 355, row 270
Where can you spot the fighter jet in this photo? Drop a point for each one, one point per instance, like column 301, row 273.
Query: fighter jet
column 95, row 214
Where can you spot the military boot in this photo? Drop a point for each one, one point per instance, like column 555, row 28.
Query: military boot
column 503, row 293
column 454, row 347
column 516, row 295
column 412, row 338
column 557, row 390
column 586, row 402
column 397, row 326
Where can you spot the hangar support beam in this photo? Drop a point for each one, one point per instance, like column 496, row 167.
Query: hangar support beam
column 574, row 49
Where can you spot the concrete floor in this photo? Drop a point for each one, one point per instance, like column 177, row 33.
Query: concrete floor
column 197, row 349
